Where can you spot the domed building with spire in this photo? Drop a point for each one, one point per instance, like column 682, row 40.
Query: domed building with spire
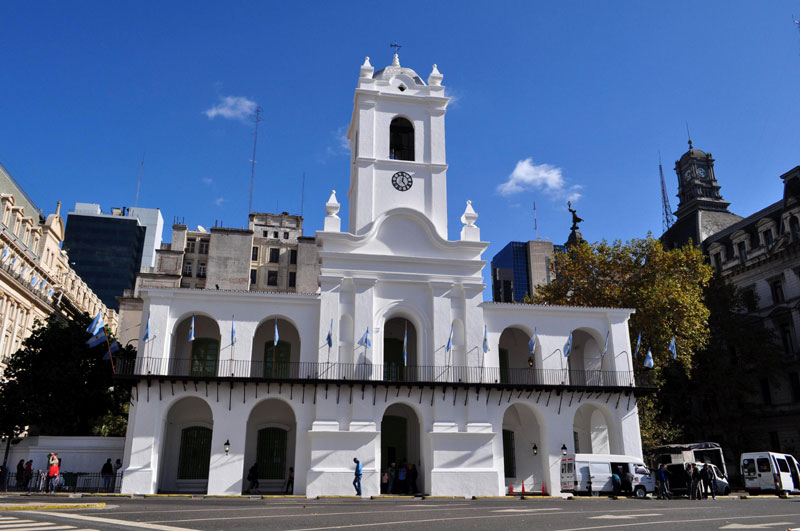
column 395, row 358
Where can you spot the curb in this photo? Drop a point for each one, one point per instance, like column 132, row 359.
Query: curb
column 343, row 496
column 52, row 506
column 293, row 496
column 173, row 495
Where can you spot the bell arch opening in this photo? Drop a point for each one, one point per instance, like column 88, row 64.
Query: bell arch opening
column 401, row 139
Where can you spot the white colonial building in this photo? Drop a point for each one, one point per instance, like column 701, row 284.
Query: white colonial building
column 472, row 422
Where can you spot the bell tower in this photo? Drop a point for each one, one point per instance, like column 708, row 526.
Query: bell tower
column 397, row 146
column 698, row 188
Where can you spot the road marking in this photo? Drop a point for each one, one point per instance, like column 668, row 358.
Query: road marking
column 17, row 524
column 665, row 522
column 622, row 516
column 124, row 523
column 755, row 526
column 526, row 510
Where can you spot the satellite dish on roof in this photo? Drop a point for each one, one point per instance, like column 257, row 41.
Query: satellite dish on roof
column 201, row 228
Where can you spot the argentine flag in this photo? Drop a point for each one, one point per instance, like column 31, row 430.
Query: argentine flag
column 605, row 347
column 532, row 342
column 364, row 341
column 97, row 338
column 328, row 338
column 449, row 341
column 638, row 344
column 648, row 360
column 276, row 336
column 405, row 345
column 673, row 348
column 485, row 339
column 233, row 331
column 147, row 329
column 191, row 330
column 568, row 346
column 97, row 325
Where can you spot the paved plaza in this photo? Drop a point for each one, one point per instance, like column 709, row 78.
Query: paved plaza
column 300, row 514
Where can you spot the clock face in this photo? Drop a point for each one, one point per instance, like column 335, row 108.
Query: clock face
column 402, row 181
column 687, row 175
column 701, row 172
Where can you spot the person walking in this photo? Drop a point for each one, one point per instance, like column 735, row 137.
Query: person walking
column 392, row 473
column 252, row 477
column 663, row 483
column 384, row 483
column 107, row 472
column 695, row 484
column 20, row 474
column 712, row 476
column 28, row 475
column 412, row 478
column 117, row 467
column 290, row 482
column 402, row 488
column 616, row 483
column 358, row 473
column 53, row 472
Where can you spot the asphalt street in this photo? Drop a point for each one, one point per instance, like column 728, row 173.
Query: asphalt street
column 178, row 514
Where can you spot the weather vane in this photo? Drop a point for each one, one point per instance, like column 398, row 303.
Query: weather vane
column 395, row 46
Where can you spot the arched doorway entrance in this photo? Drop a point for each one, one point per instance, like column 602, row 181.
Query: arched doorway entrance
column 517, row 365
column 400, row 362
column 187, row 447
column 196, row 347
column 593, row 431
column 271, row 360
column 270, row 446
column 400, row 446
column 524, row 448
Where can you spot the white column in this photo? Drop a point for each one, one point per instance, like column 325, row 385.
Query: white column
column 226, row 471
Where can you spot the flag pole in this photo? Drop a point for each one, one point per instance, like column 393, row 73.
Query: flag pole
column 110, row 357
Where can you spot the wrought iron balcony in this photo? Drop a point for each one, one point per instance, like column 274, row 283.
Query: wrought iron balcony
column 312, row 372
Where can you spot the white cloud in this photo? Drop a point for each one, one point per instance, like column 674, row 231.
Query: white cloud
column 341, row 137
column 546, row 178
column 232, row 108
column 219, row 201
column 207, row 180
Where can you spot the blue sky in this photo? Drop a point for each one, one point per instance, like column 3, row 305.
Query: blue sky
column 578, row 97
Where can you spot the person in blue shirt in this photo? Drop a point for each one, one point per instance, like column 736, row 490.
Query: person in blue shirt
column 359, row 472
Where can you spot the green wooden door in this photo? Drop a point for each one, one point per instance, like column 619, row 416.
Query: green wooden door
column 205, row 354
column 394, row 368
column 271, row 453
column 195, row 453
column 277, row 360
column 504, row 373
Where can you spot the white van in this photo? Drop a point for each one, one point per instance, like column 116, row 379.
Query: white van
column 770, row 472
column 591, row 473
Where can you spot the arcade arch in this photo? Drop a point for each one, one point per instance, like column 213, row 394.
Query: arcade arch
column 401, row 435
column 522, row 430
column 270, row 445
column 186, row 451
column 400, row 334
column 196, row 354
column 517, row 365
column 594, row 431
column 271, row 359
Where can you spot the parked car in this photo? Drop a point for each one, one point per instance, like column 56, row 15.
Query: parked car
column 770, row 472
column 590, row 473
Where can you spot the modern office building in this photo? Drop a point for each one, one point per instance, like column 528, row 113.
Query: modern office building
column 36, row 279
column 521, row 266
column 107, row 250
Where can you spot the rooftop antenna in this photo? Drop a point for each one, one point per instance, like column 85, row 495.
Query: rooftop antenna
column 667, row 218
column 139, row 183
column 303, row 195
column 256, row 119
column 535, row 223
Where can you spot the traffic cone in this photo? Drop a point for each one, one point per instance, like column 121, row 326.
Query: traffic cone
column 523, row 488
column 511, row 488
column 544, row 489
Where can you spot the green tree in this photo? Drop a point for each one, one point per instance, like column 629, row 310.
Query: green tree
column 58, row 385
column 665, row 287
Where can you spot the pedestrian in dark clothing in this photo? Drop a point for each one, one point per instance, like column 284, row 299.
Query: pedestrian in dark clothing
column 358, row 473
column 28, row 475
column 402, row 487
column 252, row 477
column 107, row 472
column 616, row 483
column 412, row 478
column 392, row 474
column 290, row 482
column 705, row 477
column 696, row 494
column 663, row 483
column 20, row 473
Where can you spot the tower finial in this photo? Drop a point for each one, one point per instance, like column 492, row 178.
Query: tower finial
column 396, row 60
column 689, row 134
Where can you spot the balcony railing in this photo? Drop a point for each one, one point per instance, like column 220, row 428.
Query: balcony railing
column 367, row 372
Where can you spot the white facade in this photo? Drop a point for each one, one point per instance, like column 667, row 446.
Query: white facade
column 451, row 411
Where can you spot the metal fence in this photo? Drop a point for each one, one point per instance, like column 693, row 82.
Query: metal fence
column 67, row 482
column 368, row 372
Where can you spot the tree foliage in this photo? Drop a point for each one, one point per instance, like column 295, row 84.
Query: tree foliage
column 665, row 287
column 57, row 385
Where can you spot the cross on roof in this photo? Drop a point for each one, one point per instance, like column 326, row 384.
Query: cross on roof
column 395, row 46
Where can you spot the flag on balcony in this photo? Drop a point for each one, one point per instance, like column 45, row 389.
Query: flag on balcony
column 34, row 280
column 485, row 339
column 532, row 342
column 449, row 340
column 673, row 348
column 233, row 331
column 97, row 324
column 405, row 345
column 5, row 254
column 22, row 271
column 191, row 330
column 147, row 329
column 11, row 265
column 568, row 346
column 605, row 347
column 276, row 336
column 329, row 337
column 97, row 338
column 648, row 360
column 364, row 341
column 111, row 349
column 50, row 293
column 41, row 285
column 638, row 344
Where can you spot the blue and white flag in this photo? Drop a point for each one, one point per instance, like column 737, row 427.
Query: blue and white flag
column 13, row 261
column 485, row 339
column 405, row 345
column 97, row 338
column 533, row 340
column 233, row 331
column 364, row 341
column 41, row 285
column 191, row 330
column 449, row 340
column 329, row 337
column 638, row 344
column 147, row 329
column 568, row 346
column 50, row 293
column 112, row 348
column 276, row 336
column 97, row 324
column 34, row 280
column 673, row 348
column 605, row 347
column 22, row 271
column 5, row 254
column 648, row 360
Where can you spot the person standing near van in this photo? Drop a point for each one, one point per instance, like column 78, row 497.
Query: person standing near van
column 696, row 494
column 663, row 482
column 705, row 477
